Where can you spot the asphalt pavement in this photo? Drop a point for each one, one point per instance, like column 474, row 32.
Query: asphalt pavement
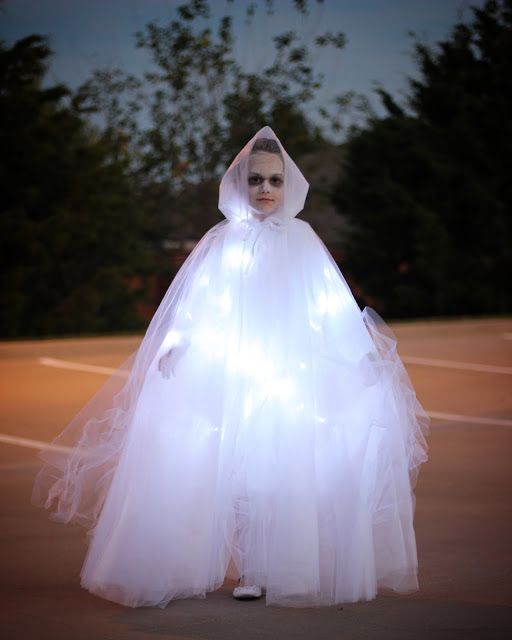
column 462, row 372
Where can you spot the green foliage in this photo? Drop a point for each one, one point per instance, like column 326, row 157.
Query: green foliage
column 427, row 189
column 69, row 224
column 199, row 109
column 202, row 104
column 85, row 207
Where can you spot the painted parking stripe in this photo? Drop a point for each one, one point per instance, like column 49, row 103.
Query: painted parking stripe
column 79, row 366
column 430, row 362
column 31, row 444
column 452, row 417
column 436, row 415
column 454, row 364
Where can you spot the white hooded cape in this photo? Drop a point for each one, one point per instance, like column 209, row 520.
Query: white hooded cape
column 287, row 439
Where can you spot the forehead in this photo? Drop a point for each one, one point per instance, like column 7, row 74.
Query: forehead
column 265, row 163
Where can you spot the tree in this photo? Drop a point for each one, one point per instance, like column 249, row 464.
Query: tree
column 202, row 107
column 69, row 225
column 427, row 188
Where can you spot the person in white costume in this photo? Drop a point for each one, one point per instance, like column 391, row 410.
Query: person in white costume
column 264, row 420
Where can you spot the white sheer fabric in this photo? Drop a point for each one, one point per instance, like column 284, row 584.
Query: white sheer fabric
column 287, row 437
column 233, row 201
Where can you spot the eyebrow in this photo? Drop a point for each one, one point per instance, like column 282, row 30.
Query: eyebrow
column 255, row 173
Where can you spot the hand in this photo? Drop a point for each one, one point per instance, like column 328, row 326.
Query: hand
column 167, row 363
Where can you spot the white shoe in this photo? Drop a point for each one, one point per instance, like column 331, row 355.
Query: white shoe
column 250, row 592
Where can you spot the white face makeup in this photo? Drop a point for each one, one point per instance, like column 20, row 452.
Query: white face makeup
column 266, row 181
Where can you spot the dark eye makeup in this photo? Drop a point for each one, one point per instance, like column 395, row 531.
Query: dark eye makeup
column 255, row 179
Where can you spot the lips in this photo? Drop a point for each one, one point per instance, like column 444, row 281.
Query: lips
column 264, row 200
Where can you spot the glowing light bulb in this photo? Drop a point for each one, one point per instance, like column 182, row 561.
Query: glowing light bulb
column 210, row 342
column 236, row 256
column 328, row 302
column 283, row 387
column 250, row 361
column 225, row 301
column 314, row 325
column 328, row 273
column 248, row 405
column 172, row 338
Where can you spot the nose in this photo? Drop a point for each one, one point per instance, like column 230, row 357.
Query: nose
column 265, row 187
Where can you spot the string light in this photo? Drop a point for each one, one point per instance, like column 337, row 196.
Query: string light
column 237, row 256
column 328, row 273
column 225, row 301
column 328, row 303
column 172, row 338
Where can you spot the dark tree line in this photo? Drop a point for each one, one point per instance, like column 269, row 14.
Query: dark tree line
column 87, row 211
column 201, row 107
column 70, row 228
column 427, row 189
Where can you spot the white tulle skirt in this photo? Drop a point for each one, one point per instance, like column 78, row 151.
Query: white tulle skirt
column 287, row 438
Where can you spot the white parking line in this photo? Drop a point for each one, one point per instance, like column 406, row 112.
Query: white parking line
column 31, row 444
column 429, row 362
column 453, row 417
column 79, row 366
column 450, row 364
column 454, row 364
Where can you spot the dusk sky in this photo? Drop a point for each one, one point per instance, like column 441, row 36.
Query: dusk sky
column 96, row 34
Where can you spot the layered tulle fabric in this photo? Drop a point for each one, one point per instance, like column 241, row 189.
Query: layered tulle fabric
column 287, row 437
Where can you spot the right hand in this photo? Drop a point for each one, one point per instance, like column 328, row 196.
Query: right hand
column 167, row 363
